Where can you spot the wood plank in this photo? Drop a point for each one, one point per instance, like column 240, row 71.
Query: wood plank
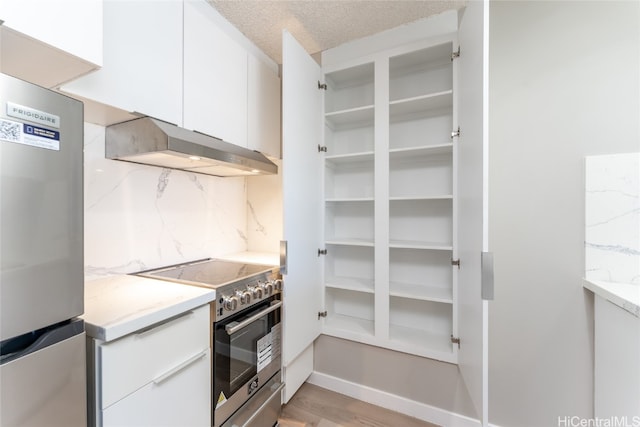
column 314, row 406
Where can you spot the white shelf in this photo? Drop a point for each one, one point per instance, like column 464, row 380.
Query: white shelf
column 350, row 116
column 418, row 198
column 420, row 174
column 442, row 294
column 348, row 199
column 425, row 59
column 421, row 104
column 438, row 344
column 366, row 156
column 349, row 242
column 336, row 323
column 350, row 283
column 407, row 244
column 425, row 150
column 351, row 77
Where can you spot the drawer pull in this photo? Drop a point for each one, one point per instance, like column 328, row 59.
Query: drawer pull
column 168, row 322
column 162, row 378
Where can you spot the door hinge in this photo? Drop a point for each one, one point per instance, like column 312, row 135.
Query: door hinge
column 322, row 252
column 322, row 86
column 322, row 314
column 322, row 148
column 455, row 340
column 455, row 54
column 456, row 262
column 455, row 133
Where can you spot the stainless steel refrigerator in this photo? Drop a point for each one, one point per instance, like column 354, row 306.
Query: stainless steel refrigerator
column 42, row 340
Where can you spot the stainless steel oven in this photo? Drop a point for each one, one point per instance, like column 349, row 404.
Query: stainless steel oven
column 245, row 338
column 246, row 357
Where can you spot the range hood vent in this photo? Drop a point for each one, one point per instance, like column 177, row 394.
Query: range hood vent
column 153, row 142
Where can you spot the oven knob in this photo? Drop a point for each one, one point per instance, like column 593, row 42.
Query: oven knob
column 263, row 287
column 256, row 292
column 230, row 303
column 244, row 296
column 277, row 284
column 268, row 288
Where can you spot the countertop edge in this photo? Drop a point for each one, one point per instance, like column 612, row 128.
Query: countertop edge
column 614, row 293
column 113, row 332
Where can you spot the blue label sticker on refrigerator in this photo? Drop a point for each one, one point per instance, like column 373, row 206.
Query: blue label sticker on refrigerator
column 35, row 136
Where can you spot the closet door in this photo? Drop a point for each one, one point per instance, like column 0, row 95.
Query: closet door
column 472, row 190
column 302, row 189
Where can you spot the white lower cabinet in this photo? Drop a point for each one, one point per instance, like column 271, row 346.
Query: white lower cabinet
column 159, row 376
column 179, row 400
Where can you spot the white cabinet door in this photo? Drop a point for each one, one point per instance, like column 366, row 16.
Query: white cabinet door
column 215, row 77
column 48, row 42
column 159, row 376
column 182, row 399
column 302, row 188
column 263, row 108
column 74, row 26
column 472, row 188
column 142, row 67
column 130, row 362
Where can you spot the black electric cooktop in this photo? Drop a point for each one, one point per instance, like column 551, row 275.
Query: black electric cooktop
column 212, row 273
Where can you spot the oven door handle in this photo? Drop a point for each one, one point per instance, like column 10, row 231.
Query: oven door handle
column 234, row 327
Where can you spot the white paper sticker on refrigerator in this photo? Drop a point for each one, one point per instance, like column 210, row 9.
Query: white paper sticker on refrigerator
column 27, row 134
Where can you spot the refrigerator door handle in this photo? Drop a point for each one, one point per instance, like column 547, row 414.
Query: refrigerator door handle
column 283, row 257
column 20, row 346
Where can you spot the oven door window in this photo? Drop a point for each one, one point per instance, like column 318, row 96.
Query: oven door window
column 236, row 355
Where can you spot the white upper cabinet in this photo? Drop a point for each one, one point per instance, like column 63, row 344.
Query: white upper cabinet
column 229, row 91
column 48, row 42
column 181, row 62
column 142, row 67
column 215, row 77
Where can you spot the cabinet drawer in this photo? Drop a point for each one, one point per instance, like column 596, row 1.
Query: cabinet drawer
column 137, row 359
column 183, row 399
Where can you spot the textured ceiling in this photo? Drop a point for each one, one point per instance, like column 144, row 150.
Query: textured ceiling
column 322, row 24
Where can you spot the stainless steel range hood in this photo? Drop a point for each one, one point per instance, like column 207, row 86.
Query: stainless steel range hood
column 153, row 142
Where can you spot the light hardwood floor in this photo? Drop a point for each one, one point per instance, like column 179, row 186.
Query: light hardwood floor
column 313, row 406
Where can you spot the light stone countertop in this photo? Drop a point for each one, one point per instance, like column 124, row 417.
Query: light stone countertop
column 119, row 305
column 116, row 306
column 624, row 295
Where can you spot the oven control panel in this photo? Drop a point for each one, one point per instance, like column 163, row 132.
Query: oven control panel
column 236, row 297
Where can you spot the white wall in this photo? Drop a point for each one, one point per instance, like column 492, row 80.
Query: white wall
column 424, row 381
column 564, row 84
column 139, row 217
column 264, row 215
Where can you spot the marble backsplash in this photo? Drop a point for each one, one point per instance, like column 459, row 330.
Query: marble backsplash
column 612, row 218
column 139, row 217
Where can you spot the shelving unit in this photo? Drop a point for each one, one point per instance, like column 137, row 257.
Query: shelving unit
column 392, row 201
column 421, row 201
column 349, row 202
column 407, row 304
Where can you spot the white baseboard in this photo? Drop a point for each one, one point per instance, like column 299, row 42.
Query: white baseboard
column 393, row 402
